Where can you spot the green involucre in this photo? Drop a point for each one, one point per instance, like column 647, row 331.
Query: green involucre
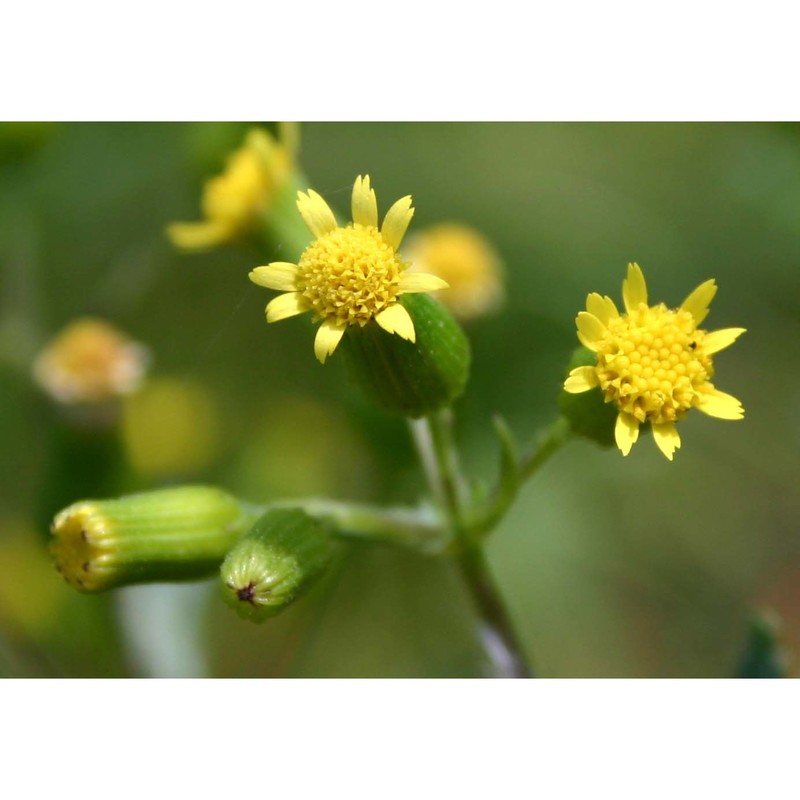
column 411, row 378
column 587, row 413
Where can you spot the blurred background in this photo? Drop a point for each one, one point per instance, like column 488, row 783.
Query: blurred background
column 611, row 566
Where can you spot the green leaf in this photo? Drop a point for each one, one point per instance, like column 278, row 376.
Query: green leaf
column 764, row 657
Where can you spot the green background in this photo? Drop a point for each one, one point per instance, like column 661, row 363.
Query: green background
column 611, row 566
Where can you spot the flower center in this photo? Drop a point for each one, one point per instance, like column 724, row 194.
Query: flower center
column 651, row 362
column 349, row 275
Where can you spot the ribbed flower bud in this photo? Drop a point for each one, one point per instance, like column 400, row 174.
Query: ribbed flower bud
column 279, row 558
column 411, row 378
column 166, row 535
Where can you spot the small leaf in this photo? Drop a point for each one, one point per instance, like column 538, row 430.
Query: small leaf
column 764, row 657
column 509, row 458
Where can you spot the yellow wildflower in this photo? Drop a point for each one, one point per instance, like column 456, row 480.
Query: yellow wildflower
column 654, row 363
column 348, row 276
column 466, row 260
column 90, row 361
column 233, row 202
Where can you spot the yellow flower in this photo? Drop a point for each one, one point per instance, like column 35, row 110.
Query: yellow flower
column 348, row 276
column 654, row 363
column 466, row 260
column 90, row 362
column 232, row 202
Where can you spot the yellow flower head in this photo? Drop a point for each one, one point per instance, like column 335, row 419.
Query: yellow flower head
column 90, row 361
column 232, row 202
column 466, row 260
column 654, row 363
column 348, row 276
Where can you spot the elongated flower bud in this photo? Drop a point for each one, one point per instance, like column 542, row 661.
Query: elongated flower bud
column 411, row 378
column 171, row 534
column 281, row 556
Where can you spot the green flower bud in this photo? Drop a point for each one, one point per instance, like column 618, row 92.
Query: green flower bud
column 280, row 557
column 411, row 378
column 167, row 535
column 587, row 413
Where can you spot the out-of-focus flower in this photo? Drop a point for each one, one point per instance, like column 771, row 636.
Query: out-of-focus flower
column 29, row 595
column 234, row 201
column 654, row 363
column 348, row 275
column 90, row 361
column 171, row 428
column 466, row 260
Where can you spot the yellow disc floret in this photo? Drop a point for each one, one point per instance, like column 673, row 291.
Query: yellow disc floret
column 653, row 362
column 349, row 275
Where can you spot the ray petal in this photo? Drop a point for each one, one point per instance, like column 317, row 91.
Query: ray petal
column 626, row 432
column 289, row 137
column 199, row 235
column 280, row 275
column 634, row 288
column 613, row 312
column 396, row 222
column 286, row 305
column 719, row 340
column 719, row 404
column 581, row 379
column 667, row 438
column 590, row 329
column 396, row 319
column 365, row 204
column 316, row 213
column 596, row 305
column 263, row 145
column 420, row 282
column 698, row 301
column 327, row 338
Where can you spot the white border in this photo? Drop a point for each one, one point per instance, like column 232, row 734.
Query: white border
column 384, row 739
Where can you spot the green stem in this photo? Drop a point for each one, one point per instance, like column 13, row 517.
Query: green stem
column 495, row 627
column 549, row 443
column 410, row 527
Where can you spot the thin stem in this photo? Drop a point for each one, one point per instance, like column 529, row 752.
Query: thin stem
column 557, row 435
column 419, row 528
column 495, row 628
column 443, row 467
column 549, row 443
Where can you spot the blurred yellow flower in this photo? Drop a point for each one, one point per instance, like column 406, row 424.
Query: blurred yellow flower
column 466, row 260
column 171, row 428
column 654, row 363
column 233, row 202
column 348, row 276
column 90, row 361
